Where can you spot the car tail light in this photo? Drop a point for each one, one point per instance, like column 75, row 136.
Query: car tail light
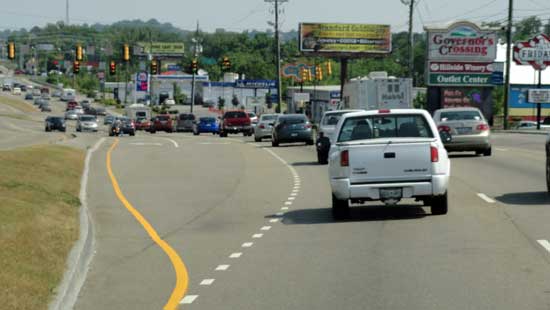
column 308, row 126
column 262, row 126
column 434, row 154
column 384, row 111
column 344, row 158
column 483, row 127
column 444, row 128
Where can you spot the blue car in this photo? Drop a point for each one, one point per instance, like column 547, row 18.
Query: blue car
column 206, row 125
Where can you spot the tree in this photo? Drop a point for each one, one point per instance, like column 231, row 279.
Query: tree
column 527, row 28
column 235, row 101
column 221, row 103
column 546, row 29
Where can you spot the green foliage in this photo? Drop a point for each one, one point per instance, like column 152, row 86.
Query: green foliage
column 108, row 102
column 221, row 103
column 498, row 100
column 421, row 101
column 527, row 28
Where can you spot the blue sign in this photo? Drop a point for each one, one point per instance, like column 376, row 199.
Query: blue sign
column 173, row 67
column 218, row 84
column 141, row 82
column 335, row 94
column 262, row 84
column 497, row 78
column 518, row 96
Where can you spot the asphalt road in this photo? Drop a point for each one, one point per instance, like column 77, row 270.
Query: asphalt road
column 253, row 227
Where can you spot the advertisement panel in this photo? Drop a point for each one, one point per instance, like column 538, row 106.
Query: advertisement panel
column 159, row 48
column 462, row 41
column 535, row 52
column 141, row 82
column 519, row 97
column 461, row 97
column 345, row 38
column 458, row 79
column 461, row 67
column 539, row 95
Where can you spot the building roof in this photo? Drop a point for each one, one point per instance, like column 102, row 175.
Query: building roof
column 521, row 74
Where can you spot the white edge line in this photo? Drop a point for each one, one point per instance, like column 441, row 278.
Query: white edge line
column 173, row 142
column 486, row 198
column 545, row 244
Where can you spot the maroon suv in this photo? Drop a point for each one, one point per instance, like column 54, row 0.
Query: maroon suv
column 162, row 122
column 236, row 122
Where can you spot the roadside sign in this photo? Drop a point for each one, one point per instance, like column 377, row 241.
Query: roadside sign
column 255, row 101
column 301, row 97
column 535, row 52
column 458, row 79
column 539, row 95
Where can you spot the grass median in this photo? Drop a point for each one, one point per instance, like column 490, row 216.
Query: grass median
column 18, row 104
column 39, row 204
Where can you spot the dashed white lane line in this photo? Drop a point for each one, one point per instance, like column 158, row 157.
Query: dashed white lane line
column 284, row 208
column 257, row 236
column 486, row 198
column 545, row 244
column 207, row 282
column 274, row 220
column 235, row 255
column 266, row 228
column 222, row 267
column 294, row 194
column 288, row 203
column 296, row 191
column 501, row 150
column 247, row 244
column 291, row 198
column 279, row 214
column 189, row 299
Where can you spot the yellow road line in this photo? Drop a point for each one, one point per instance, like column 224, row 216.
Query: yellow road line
column 182, row 277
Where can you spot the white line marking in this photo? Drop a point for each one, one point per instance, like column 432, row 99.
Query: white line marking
column 284, row 208
column 545, row 244
column 288, row 203
column 279, row 214
column 207, row 281
column 291, row 198
column 294, row 194
column 189, row 299
column 145, row 144
column 247, row 244
column 266, row 228
column 274, row 220
column 501, row 150
column 173, row 142
column 222, row 267
column 235, row 255
column 486, row 198
column 297, row 187
column 215, row 143
column 295, row 190
column 257, row 236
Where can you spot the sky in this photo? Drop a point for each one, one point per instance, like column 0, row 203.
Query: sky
column 239, row 15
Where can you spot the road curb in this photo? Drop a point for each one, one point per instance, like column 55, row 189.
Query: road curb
column 523, row 132
column 82, row 252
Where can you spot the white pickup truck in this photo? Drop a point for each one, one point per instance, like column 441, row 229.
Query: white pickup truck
column 388, row 155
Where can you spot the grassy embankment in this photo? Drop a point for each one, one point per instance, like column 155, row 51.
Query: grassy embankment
column 39, row 204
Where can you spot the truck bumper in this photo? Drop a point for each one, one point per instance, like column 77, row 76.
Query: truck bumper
column 342, row 189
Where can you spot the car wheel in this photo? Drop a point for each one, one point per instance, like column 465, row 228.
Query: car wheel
column 196, row 133
column 479, row 152
column 133, row 133
column 274, row 143
column 256, row 139
column 488, row 152
column 340, row 208
column 152, row 131
column 439, row 204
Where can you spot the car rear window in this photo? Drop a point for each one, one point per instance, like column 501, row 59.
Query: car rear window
column 268, row 117
column 163, row 117
column 187, row 117
column 292, row 120
column 235, row 115
column 385, row 126
column 460, row 116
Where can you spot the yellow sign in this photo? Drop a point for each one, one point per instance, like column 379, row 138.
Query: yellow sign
column 160, row 48
column 345, row 38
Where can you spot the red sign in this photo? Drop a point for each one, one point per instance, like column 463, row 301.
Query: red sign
column 535, row 52
column 461, row 67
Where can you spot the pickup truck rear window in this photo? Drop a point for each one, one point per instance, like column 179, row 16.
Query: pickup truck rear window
column 235, row 115
column 384, row 127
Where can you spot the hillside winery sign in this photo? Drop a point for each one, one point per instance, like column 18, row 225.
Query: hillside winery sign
column 461, row 55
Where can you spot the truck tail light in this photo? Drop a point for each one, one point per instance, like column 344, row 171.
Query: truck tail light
column 435, row 154
column 384, row 111
column 344, row 158
column 483, row 127
column 444, row 128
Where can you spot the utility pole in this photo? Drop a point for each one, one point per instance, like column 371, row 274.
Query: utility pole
column 508, row 60
column 278, row 47
column 196, row 50
column 410, row 3
column 67, row 13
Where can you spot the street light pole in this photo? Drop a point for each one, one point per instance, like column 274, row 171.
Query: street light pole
column 278, row 47
column 508, row 61
column 411, row 41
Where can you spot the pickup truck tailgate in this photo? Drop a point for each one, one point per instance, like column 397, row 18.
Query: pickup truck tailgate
column 390, row 162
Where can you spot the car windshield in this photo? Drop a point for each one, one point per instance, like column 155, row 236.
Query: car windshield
column 56, row 119
column 384, row 127
column 251, row 115
column 87, row 118
column 332, row 119
column 460, row 116
column 235, row 115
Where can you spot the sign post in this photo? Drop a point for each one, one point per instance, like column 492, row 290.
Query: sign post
column 534, row 53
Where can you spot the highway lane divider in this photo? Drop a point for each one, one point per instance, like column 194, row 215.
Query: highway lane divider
column 182, row 276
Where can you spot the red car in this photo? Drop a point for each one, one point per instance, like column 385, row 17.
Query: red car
column 143, row 124
column 236, row 122
column 71, row 105
column 162, row 122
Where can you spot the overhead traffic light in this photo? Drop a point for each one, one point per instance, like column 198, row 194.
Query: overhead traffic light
column 154, row 67
column 126, row 52
column 194, row 66
column 11, row 51
column 309, row 75
column 226, row 64
column 318, row 73
column 303, row 74
column 329, row 68
column 112, row 67
column 76, row 67
column 79, row 53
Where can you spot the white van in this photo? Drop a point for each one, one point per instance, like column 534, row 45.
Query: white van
column 68, row 94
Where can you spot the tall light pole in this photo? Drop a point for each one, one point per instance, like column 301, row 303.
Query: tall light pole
column 508, row 61
column 197, row 49
column 67, row 12
column 278, row 47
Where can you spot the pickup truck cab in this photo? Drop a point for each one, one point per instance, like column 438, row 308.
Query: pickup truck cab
column 388, row 155
column 236, row 122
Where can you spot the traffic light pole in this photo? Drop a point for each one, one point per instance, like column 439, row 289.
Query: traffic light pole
column 508, row 61
column 193, row 91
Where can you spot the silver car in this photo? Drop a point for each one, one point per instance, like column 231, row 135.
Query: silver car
column 86, row 123
column 468, row 128
column 71, row 115
column 264, row 127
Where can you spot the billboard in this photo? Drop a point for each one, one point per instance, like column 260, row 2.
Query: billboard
column 159, row 48
column 326, row 38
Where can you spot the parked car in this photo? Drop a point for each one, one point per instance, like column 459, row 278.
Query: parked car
column 325, row 136
column 36, row 92
column 291, row 128
column 185, row 122
column 264, row 127
column 109, row 119
column 162, row 122
column 235, row 122
column 90, row 110
column 71, row 115
column 16, row 91
column 143, row 123
column 469, row 129
column 86, row 123
column 38, row 101
column 55, row 123
column 79, row 110
column 206, row 125
column 169, row 102
column 29, row 97
column 23, row 88
column 6, row 87
column 85, row 103
column 253, row 118
column 389, row 155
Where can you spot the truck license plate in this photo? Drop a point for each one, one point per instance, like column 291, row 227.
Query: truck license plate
column 391, row 193
column 293, row 134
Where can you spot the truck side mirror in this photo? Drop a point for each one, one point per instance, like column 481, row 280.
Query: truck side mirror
column 445, row 136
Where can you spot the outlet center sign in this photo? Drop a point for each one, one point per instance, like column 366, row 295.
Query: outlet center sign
column 461, row 55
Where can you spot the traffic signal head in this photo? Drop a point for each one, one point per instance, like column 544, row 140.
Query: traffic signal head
column 76, row 67
column 11, row 50
column 309, row 76
column 303, row 74
column 126, row 52
column 154, row 67
column 319, row 73
column 329, row 68
column 78, row 52
column 194, row 66
column 112, row 68
column 226, row 64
